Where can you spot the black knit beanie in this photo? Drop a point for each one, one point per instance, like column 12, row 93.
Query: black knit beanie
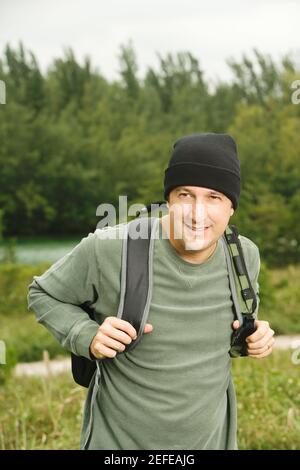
column 208, row 160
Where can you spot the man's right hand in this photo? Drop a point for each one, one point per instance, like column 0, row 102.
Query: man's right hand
column 112, row 336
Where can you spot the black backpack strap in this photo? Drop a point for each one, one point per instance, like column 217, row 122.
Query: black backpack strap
column 246, row 289
column 243, row 295
column 136, row 274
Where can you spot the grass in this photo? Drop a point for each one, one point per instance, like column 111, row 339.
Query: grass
column 268, row 393
column 41, row 413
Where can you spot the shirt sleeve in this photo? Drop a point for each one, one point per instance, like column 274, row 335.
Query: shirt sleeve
column 56, row 296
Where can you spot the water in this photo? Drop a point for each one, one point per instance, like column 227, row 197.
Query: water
column 34, row 251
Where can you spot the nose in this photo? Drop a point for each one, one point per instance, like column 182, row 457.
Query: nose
column 199, row 213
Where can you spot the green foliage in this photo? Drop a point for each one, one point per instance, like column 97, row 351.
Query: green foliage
column 27, row 343
column 284, row 316
column 11, row 360
column 9, row 255
column 266, row 292
column 71, row 140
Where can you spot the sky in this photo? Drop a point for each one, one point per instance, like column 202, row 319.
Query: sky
column 213, row 31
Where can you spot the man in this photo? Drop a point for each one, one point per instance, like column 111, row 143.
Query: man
column 174, row 390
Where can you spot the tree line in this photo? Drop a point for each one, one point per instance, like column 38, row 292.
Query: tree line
column 72, row 139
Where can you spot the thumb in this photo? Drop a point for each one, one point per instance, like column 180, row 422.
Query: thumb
column 236, row 324
column 148, row 328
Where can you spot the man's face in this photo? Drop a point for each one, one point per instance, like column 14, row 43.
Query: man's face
column 198, row 216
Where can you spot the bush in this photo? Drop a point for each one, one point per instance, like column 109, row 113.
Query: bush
column 27, row 343
column 284, row 316
column 10, row 363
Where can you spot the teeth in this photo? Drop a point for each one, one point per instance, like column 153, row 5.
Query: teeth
column 196, row 228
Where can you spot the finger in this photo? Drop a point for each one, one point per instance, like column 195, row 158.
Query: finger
column 100, row 350
column 236, row 324
column 122, row 325
column 148, row 328
column 260, row 356
column 262, row 329
column 110, row 342
column 262, row 342
column 114, row 333
column 258, row 351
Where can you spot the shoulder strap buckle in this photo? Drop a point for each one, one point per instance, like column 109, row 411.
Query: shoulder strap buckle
column 238, row 338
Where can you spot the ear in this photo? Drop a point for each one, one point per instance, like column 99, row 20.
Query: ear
column 231, row 211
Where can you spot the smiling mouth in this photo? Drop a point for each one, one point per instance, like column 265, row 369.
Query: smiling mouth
column 197, row 229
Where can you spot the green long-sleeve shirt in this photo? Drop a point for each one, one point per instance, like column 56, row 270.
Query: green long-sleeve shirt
column 174, row 390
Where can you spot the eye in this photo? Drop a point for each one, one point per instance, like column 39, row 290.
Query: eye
column 184, row 194
column 215, row 197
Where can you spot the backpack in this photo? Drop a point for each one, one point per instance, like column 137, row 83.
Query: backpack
column 136, row 291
